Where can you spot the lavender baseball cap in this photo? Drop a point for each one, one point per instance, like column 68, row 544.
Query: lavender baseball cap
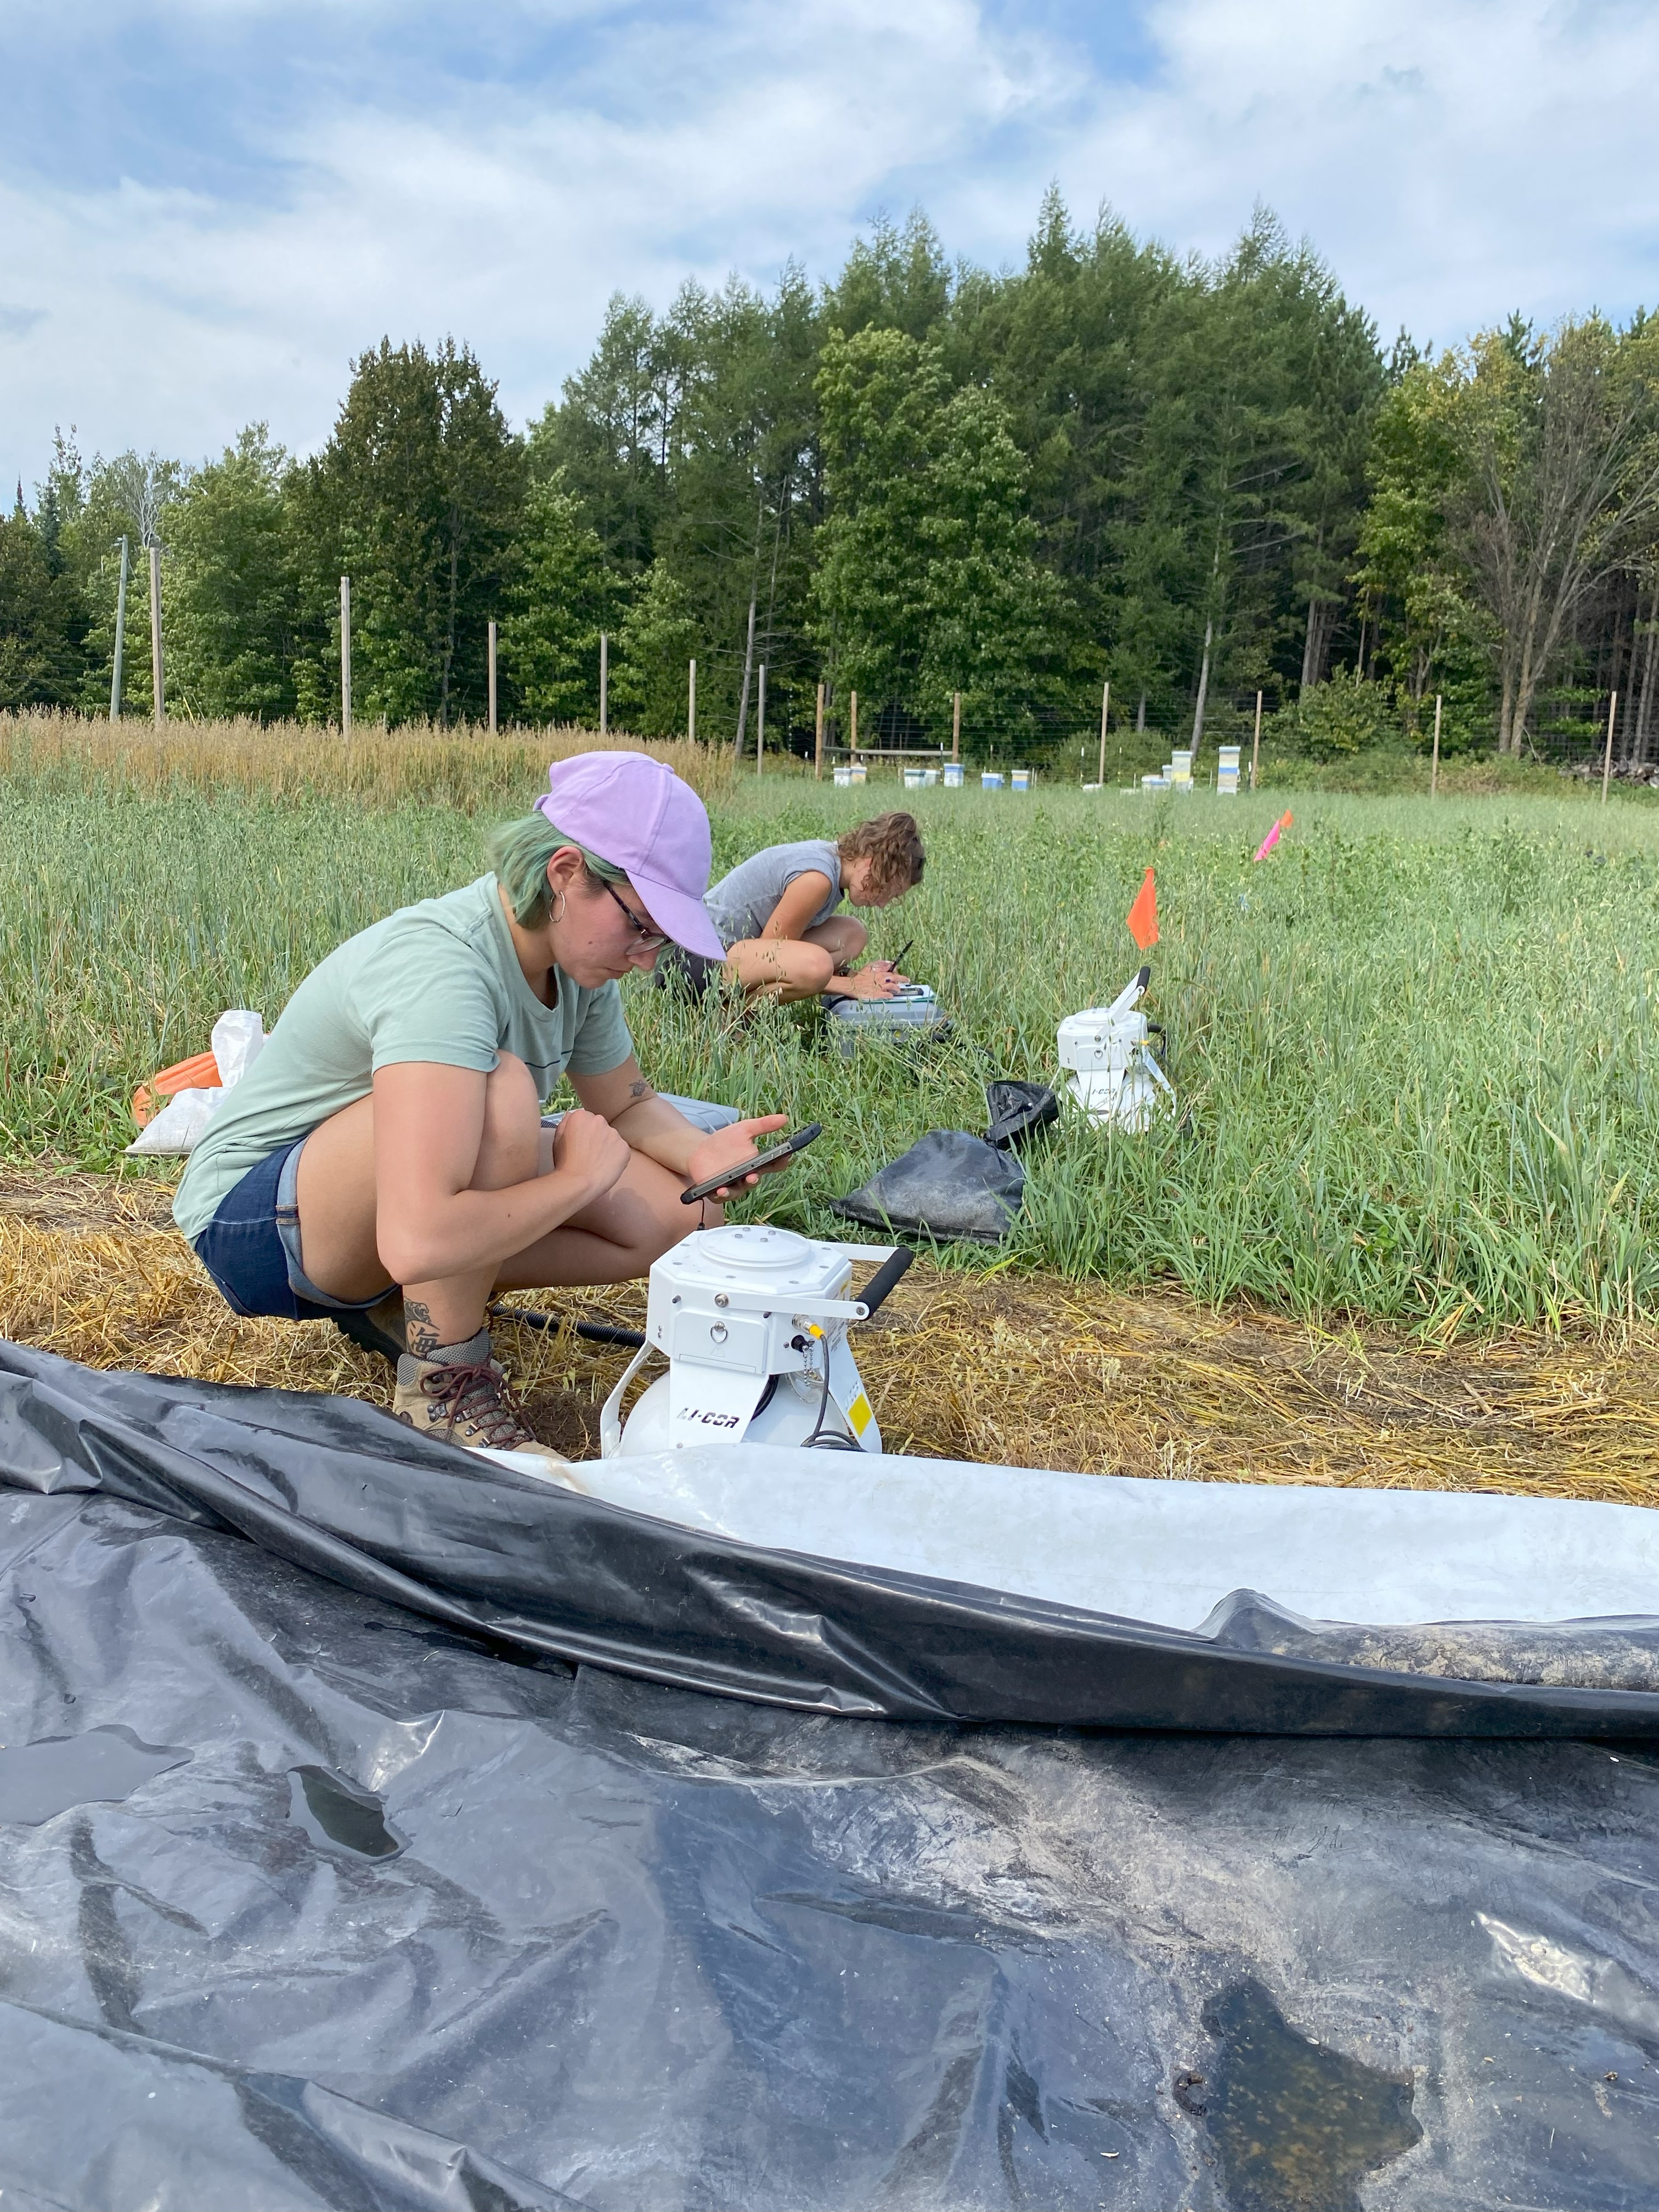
column 634, row 811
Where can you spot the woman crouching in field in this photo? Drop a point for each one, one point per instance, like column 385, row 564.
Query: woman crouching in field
column 391, row 1132
column 776, row 913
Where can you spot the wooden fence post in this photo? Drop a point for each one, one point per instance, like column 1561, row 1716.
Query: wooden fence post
column 158, row 695
column 345, row 656
column 1606, row 760
column 1105, row 705
column 852, row 733
column 691, row 702
column 120, row 639
column 956, row 726
column 492, row 679
column 1255, row 742
column 1434, row 765
column 760, row 724
column 818, row 741
column 742, row 738
column 605, row 682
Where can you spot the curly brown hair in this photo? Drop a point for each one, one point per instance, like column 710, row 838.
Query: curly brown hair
column 892, row 844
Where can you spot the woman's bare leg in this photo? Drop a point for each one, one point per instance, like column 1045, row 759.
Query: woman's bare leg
column 781, row 968
column 791, row 967
column 338, row 1205
column 616, row 1239
column 844, row 937
column 612, row 1241
column 335, row 1187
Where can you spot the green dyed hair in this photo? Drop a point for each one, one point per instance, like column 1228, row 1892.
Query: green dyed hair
column 519, row 851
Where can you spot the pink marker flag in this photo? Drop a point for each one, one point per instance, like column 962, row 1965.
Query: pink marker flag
column 1273, row 835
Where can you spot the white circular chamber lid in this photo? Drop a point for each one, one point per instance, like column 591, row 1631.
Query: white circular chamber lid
column 754, row 1244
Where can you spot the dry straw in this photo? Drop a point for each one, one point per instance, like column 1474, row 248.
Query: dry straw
column 459, row 765
column 1027, row 1372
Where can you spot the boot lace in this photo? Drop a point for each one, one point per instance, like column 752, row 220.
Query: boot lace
column 477, row 1394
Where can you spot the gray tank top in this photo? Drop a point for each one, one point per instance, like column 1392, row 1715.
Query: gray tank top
column 742, row 903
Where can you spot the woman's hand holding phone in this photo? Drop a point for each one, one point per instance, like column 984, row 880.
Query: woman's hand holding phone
column 729, row 1149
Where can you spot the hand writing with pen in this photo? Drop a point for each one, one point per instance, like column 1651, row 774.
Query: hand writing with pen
column 881, row 979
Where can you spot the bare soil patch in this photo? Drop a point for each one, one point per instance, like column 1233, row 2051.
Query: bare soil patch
column 68, row 1199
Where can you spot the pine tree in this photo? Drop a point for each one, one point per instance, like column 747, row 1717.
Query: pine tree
column 657, row 639
column 227, row 623
column 42, row 621
column 564, row 593
column 419, row 493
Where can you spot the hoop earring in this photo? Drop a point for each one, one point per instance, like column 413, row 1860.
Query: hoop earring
column 559, row 916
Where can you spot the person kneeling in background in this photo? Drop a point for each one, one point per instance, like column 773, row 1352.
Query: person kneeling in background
column 776, row 914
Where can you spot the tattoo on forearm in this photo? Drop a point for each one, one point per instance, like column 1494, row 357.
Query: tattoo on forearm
column 418, row 1327
column 641, row 1090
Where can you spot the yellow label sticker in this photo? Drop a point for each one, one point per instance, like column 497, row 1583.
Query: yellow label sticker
column 859, row 1414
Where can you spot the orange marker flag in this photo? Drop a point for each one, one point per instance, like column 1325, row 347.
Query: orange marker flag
column 1143, row 914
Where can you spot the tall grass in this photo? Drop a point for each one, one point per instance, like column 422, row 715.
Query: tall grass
column 1415, row 1049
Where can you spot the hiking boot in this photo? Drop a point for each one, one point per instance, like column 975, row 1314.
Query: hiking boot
column 377, row 1328
column 467, row 1403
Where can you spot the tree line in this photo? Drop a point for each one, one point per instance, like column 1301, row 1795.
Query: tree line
column 927, row 483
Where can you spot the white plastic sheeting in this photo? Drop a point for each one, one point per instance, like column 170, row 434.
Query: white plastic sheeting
column 1165, row 1553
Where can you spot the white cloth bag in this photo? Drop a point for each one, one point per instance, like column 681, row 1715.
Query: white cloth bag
column 239, row 1038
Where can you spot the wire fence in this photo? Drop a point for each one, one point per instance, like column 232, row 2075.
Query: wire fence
column 1060, row 739
column 1056, row 741
column 1592, row 733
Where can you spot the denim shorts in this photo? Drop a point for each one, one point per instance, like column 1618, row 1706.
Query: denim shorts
column 251, row 1248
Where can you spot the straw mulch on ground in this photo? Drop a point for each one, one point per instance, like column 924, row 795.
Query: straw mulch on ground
column 1023, row 1370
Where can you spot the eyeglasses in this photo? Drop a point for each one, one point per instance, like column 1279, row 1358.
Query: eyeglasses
column 652, row 939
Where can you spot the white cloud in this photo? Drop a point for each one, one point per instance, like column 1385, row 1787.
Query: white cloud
column 1451, row 161
column 507, row 216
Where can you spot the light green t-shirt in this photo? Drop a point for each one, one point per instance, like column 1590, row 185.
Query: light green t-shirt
column 437, row 982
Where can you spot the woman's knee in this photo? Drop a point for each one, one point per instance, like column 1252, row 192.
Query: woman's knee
column 814, row 969
column 645, row 1217
column 509, row 1148
column 791, row 967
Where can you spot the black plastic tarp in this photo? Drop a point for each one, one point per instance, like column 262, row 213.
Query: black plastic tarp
column 335, row 1485
column 308, row 1899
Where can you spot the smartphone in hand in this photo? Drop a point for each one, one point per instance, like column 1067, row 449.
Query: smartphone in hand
column 728, row 1178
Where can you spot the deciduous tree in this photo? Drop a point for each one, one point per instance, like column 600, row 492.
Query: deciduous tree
column 1555, row 481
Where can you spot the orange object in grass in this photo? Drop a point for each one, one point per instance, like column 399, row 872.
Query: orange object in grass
column 1142, row 917
column 200, row 1074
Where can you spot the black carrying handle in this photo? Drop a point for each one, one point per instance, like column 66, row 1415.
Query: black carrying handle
column 885, row 1279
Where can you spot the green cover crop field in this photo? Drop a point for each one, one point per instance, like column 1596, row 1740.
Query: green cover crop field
column 1415, row 1049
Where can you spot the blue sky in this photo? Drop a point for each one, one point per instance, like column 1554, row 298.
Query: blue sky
column 208, row 206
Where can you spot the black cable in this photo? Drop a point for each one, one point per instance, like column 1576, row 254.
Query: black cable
column 822, row 1439
column 594, row 1332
